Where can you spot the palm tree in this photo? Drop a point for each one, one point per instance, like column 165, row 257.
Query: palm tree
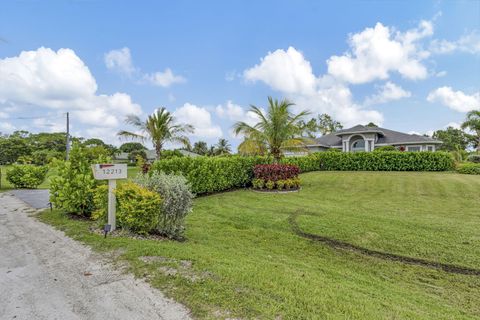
column 473, row 123
column 223, row 147
column 277, row 130
column 200, row 147
column 160, row 127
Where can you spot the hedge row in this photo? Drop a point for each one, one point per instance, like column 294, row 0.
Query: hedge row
column 214, row 174
column 374, row 161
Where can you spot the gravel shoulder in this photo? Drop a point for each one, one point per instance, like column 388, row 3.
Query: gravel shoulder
column 46, row 275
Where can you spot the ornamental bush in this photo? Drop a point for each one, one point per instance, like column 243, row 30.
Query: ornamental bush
column 211, row 174
column 276, row 171
column 176, row 201
column 138, row 209
column 26, row 176
column 73, row 188
column 469, row 168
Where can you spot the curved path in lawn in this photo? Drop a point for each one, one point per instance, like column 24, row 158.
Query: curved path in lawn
column 337, row 244
column 46, row 275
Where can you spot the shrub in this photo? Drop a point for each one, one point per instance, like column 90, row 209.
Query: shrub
column 138, row 209
column 374, row 161
column 385, row 149
column 73, row 188
column 275, row 172
column 270, row 184
column 26, row 176
column 475, row 158
column 100, row 200
column 176, row 200
column 469, row 168
column 212, row 174
column 258, row 183
column 280, row 184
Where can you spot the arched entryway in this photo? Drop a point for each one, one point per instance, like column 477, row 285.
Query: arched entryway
column 357, row 143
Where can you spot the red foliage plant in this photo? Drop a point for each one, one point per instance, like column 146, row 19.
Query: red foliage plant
column 275, row 172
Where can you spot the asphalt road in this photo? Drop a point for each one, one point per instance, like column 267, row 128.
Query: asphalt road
column 46, row 275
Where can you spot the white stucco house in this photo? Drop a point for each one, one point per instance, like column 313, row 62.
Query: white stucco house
column 363, row 138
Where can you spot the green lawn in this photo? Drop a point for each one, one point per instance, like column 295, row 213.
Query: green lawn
column 246, row 261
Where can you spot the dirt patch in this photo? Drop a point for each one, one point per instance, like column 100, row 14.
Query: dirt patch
column 173, row 267
column 337, row 244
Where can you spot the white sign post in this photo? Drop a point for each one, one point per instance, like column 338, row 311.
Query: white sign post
column 110, row 172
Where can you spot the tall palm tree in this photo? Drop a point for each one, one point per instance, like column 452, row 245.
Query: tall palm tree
column 277, row 130
column 159, row 127
column 223, row 146
column 473, row 123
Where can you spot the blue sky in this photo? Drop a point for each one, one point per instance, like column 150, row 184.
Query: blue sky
column 412, row 66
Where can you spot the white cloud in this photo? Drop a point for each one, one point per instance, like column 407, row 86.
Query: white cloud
column 234, row 112
column 441, row 74
column 290, row 73
column 286, row 71
column 45, row 79
column 3, row 115
column 376, row 52
column 6, row 126
column 200, row 118
column 388, row 92
column 456, row 100
column 469, row 43
column 164, row 79
column 120, row 60
column 454, row 125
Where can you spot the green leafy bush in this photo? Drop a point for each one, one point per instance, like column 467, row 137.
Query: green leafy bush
column 26, row 176
column 374, row 161
column 176, row 200
column 138, row 209
column 212, row 174
column 73, row 188
column 475, row 158
column 385, row 149
column 270, row 184
column 258, row 183
column 469, row 168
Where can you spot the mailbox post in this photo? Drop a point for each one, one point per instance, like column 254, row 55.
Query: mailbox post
column 110, row 172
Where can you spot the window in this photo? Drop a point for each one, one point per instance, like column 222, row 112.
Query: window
column 430, row 148
column 358, row 145
column 414, row 148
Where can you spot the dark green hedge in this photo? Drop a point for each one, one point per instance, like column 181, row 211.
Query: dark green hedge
column 374, row 161
column 213, row 174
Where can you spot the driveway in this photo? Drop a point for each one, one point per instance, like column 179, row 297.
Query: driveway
column 46, row 275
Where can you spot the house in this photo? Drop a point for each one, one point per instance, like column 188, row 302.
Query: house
column 365, row 138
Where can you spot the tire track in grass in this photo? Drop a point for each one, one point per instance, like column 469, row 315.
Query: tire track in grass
column 338, row 244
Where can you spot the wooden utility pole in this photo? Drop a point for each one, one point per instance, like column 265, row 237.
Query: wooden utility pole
column 68, row 136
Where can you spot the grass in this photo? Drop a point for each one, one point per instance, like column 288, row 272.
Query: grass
column 246, row 262
column 5, row 185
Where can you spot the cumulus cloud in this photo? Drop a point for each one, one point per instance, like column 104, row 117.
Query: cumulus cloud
column 469, row 43
column 456, row 100
column 234, row 112
column 120, row 60
column 286, row 71
column 200, row 118
column 164, row 79
column 6, row 126
column 376, row 52
column 388, row 92
column 60, row 81
column 290, row 73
